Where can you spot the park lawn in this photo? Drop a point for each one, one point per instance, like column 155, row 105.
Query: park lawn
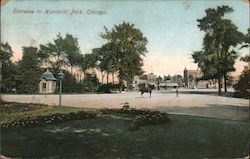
column 108, row 136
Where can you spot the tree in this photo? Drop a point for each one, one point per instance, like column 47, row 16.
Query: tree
column 64, row 51
column 28, row 71
column 88, row 61
column 242, row 87
column 107, row 60
column 8, row 68
column 217, row 57
column 128, row 45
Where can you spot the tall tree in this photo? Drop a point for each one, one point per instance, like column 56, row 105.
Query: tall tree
column 218, row 56
column 64, row 51
column 128, row 45
column 8, row 68
column 88, row 61
column 28, row 71
column 107, row 60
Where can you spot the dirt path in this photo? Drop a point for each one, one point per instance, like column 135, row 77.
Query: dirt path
column 194, row 104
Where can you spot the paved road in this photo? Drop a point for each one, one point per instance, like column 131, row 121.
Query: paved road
column 200, row 104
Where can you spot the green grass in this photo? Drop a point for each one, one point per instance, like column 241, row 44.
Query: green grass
column 108, row 136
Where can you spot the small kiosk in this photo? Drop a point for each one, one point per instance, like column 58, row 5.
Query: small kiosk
column 47, row 83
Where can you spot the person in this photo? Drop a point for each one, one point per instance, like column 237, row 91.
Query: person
column 150, row 91
column 142, row 92
column 177, row 92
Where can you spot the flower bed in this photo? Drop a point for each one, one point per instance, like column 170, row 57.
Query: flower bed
column 143, row 117
column 151, row 118
column 51, row 119
column 12, row 107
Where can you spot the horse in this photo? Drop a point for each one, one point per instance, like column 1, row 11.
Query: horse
column 146, row 89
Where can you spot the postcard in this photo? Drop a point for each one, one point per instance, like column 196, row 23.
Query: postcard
column 124, row 79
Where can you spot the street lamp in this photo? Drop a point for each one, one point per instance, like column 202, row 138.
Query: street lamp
column 60, row 76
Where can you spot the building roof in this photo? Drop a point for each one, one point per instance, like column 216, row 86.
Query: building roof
column 48, row 76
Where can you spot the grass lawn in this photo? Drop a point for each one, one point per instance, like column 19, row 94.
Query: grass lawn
column 108, row 136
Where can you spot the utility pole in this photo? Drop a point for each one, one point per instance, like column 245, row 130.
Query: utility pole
column 1, row 65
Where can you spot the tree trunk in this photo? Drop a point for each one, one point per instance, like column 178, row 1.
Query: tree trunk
column 120, row 82
column 113, row 80
column 71, row 70
column 219, row 86
column 107, row 78
column 225, row 83
column 127, row 85
column 102, row 76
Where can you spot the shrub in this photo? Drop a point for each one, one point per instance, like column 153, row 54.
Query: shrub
column 143, row 117
column 152, row 118
column 104, row 88
column 242, row 87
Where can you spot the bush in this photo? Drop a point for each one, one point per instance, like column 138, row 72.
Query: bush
column 242, row 87
column 152, row 118
column 108, row 88
column 104, row 88
column 143, row 117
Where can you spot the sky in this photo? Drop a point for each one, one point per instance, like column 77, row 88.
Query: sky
column 170, row 26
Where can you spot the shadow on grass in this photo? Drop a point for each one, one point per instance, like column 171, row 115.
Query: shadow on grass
column 109, row 137
column 214, row 111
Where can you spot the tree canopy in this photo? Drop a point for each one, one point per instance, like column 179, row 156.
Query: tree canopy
column 125, row 46
column 28, row 71
column 8, row 68
column 63, row 51
column 217, row 57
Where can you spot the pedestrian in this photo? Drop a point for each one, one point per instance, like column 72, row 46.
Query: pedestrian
column 177, row 92
column 142, row 92
column 150, row 92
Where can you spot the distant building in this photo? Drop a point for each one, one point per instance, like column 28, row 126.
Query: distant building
column 190, row 80
column 152, row 79
column 137, row 81
column 47, row 83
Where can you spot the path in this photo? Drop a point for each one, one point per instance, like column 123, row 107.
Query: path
column 193, row 104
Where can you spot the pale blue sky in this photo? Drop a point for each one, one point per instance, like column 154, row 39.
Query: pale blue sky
column 170, row 26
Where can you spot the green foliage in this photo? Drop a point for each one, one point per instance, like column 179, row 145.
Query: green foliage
column 217, row 56
column 8, row 68
column 108, row 88
column 88, row 61
column 104, row 88
column 149, row 118
column 91, row 82
column 142, row 117
column 125, row 46
column 28, row 71
column 64, row 51
column 9, row 71
column 242, row 87
column 70, row 84
column 5, row 51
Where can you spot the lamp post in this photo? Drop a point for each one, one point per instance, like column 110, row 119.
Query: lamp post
column 1, row 64
column 60, row 76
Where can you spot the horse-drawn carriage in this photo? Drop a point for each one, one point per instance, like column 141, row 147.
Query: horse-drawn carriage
column 145, row 87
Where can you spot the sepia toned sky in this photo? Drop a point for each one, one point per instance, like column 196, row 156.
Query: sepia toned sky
column 170, row 26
